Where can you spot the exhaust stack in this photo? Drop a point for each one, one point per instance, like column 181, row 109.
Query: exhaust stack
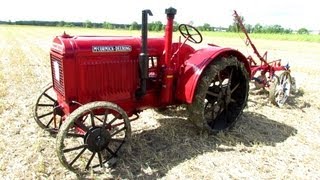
column 143, row 56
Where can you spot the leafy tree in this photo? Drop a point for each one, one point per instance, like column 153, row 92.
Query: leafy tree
column 235, row 27
column 107, row 25
column 258, row 28
column 134, row 26
column 303, row 31
column 156, row 26
column 68, row 24
column 61, row 24
column 206, row 27
column 249, row 28
column 88, row 24
column 175, row 26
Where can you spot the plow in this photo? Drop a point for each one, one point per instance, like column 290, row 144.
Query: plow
column 263, row 71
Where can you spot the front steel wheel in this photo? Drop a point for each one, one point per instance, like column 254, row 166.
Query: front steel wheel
column 220, row 96
column 47, row 112
column 102, row 128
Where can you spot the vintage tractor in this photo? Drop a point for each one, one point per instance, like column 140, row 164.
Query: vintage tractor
column 101, row 83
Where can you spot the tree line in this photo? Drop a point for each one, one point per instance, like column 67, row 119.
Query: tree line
column 267, row 29
column 158, row 26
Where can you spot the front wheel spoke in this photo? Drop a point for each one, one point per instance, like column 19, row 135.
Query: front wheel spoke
column 49, row 97
column 100, row 159
column 106, row 113
column 77, row 157
column 60, row 122
column 82, row 126
column 111, row 152
column 89, row 161
column 75, row 148
column 92, row 119
column 49, row 122
column 112, row 121
column 98, row 119
column 46, row 105
column 117, row 140
column 75, row 135
column 115, row 133
column 44, row 115
column 54, row 121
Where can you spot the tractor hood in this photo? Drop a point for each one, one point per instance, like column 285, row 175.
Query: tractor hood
column 70, row 45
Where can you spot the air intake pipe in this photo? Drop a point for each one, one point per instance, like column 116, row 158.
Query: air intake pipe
column 167, row 81
column 143, row 56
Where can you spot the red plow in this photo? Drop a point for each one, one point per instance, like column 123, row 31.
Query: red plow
column 279, row 85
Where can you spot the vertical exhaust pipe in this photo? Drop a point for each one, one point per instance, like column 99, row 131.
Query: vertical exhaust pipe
column 143, row 56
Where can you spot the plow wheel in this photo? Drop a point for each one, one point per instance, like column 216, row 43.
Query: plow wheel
column 47, row 112
column 280, row 89
column 220, row 96
column 102, row 128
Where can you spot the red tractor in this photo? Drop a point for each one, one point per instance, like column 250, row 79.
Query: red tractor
column 101, row 83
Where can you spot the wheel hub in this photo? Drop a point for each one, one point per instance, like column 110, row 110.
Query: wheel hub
column 225, row 95
column 97, row 139
column 57, row 109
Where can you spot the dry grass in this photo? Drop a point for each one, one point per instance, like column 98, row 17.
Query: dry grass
column 266, row 143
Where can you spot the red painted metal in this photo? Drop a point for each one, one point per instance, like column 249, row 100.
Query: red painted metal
column 167, row 90
column 195, row 65
column 106, row 68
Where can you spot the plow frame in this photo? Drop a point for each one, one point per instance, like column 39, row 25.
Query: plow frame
column 263, row 66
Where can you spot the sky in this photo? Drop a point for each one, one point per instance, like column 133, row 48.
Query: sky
column 292, row 14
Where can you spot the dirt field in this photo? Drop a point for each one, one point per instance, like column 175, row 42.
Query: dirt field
column 266, row 143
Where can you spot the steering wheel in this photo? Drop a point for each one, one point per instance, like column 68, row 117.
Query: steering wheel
column 190, row 33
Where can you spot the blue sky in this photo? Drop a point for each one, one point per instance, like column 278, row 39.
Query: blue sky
column 288, row 13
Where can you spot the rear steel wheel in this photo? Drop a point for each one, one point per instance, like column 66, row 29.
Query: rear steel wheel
column 47, row 112
column 280, row 89
column 100, row 136
column 221, row 95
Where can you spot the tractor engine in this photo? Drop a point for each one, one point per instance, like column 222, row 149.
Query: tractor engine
column 90, row 68
column 126, row 70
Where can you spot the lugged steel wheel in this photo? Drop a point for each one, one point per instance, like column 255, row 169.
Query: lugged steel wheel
column 280, row 89
column 220, row 96
column 100, row 136
column 47, row 112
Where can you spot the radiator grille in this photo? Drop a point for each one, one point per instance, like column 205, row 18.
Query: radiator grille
column 57, row 74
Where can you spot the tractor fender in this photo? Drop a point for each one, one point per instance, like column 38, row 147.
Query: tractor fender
column 193, row 67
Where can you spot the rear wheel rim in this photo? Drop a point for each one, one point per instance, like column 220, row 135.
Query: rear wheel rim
column 220, row 96
column 221, row 101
